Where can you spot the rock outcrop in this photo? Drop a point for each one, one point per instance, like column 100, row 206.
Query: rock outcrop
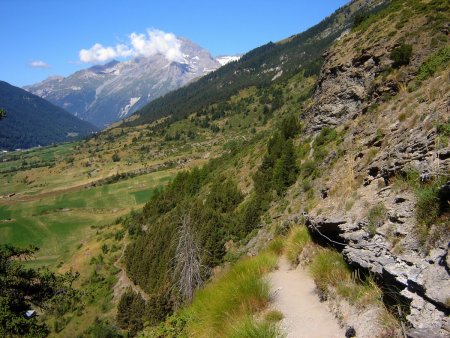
column 359, row 92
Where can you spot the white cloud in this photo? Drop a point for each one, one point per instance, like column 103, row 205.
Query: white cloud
column 153, row 42
column 38, row 64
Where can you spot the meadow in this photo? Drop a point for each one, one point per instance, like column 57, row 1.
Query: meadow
column 59, row 223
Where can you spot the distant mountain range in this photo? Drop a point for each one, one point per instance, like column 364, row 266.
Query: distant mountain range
column 32, row 121
column 261, row 67
column 104, row 94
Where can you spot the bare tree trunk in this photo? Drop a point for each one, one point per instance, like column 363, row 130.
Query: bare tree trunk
column 187, row 261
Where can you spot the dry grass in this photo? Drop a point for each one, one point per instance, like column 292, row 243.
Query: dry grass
column 296, row 241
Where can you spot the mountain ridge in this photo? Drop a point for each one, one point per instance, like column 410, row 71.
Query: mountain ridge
column 32, row 121
column 103, row 94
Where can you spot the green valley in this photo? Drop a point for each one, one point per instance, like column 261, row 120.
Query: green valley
column 323, row 157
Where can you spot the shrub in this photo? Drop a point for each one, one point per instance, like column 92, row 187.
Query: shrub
column 443, row 129
column 376, row 218
column 436, row 62
column 427, row 206
column 116, row 157
column 401, row 55
column 359, row 19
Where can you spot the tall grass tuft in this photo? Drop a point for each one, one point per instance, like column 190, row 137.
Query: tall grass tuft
column 360, row 290
column 328, row 268
column 276, row 246
column 239, row 293
column 249, row 328
column 297, row 239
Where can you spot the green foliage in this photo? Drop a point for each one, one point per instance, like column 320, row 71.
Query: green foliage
column 328, row 268
column 115, row 157
column 443, row 129
column 235, row 295
column 101, row 329
column 273, row 316
column 32, row 121
column 432, row 206
column 359, row 18
column 2, row 113
column 376, row 217
column 24, row 289
column 434, row 63
column 401, row 55
column 285, row 170
column 296, row 241
column 325, row 136
column 173, row 327
column 250, row 328
column 130, row 312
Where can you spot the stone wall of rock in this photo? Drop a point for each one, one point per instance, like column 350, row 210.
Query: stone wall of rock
column 351, row 85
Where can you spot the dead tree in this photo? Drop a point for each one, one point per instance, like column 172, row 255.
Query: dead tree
column 187, row 261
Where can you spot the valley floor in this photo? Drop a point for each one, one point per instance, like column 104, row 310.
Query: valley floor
column 294, row 295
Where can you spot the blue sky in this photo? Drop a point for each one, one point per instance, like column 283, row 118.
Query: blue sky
column 40, row 38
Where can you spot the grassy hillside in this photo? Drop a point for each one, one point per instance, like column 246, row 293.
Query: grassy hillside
column 235, row 167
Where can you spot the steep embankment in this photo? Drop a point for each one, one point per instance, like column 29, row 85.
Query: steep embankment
column 384, row 190
column 377, row 117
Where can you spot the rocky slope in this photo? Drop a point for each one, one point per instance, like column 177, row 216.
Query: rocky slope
column 104, row 94
column 394, row 149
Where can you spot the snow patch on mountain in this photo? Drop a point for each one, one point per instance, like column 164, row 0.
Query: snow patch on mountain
column 223, row 60
column 101, row 94
column 124, row 111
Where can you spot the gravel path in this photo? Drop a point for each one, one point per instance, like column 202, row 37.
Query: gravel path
column 304, row 315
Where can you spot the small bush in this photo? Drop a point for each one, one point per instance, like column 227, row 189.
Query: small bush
column 376, row 218
column 427, row 207
column 359, row 19
column 401, row 55
column 443, row 129
column 116, row 157
column 435, row 63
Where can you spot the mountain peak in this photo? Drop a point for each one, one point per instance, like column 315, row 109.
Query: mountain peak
column 101, row 94
column 102, row 68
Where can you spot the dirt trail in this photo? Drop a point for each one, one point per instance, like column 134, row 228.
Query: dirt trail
column 304, row 315
column 123, row 281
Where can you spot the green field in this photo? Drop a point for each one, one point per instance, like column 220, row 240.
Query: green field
column 58, row 224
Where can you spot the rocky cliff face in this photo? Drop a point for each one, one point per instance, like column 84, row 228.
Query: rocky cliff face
column 391, row 125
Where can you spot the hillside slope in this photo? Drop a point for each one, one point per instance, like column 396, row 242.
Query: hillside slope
column 370, row 171
column 273, row 62
column 384, row 188
column 32, row 121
